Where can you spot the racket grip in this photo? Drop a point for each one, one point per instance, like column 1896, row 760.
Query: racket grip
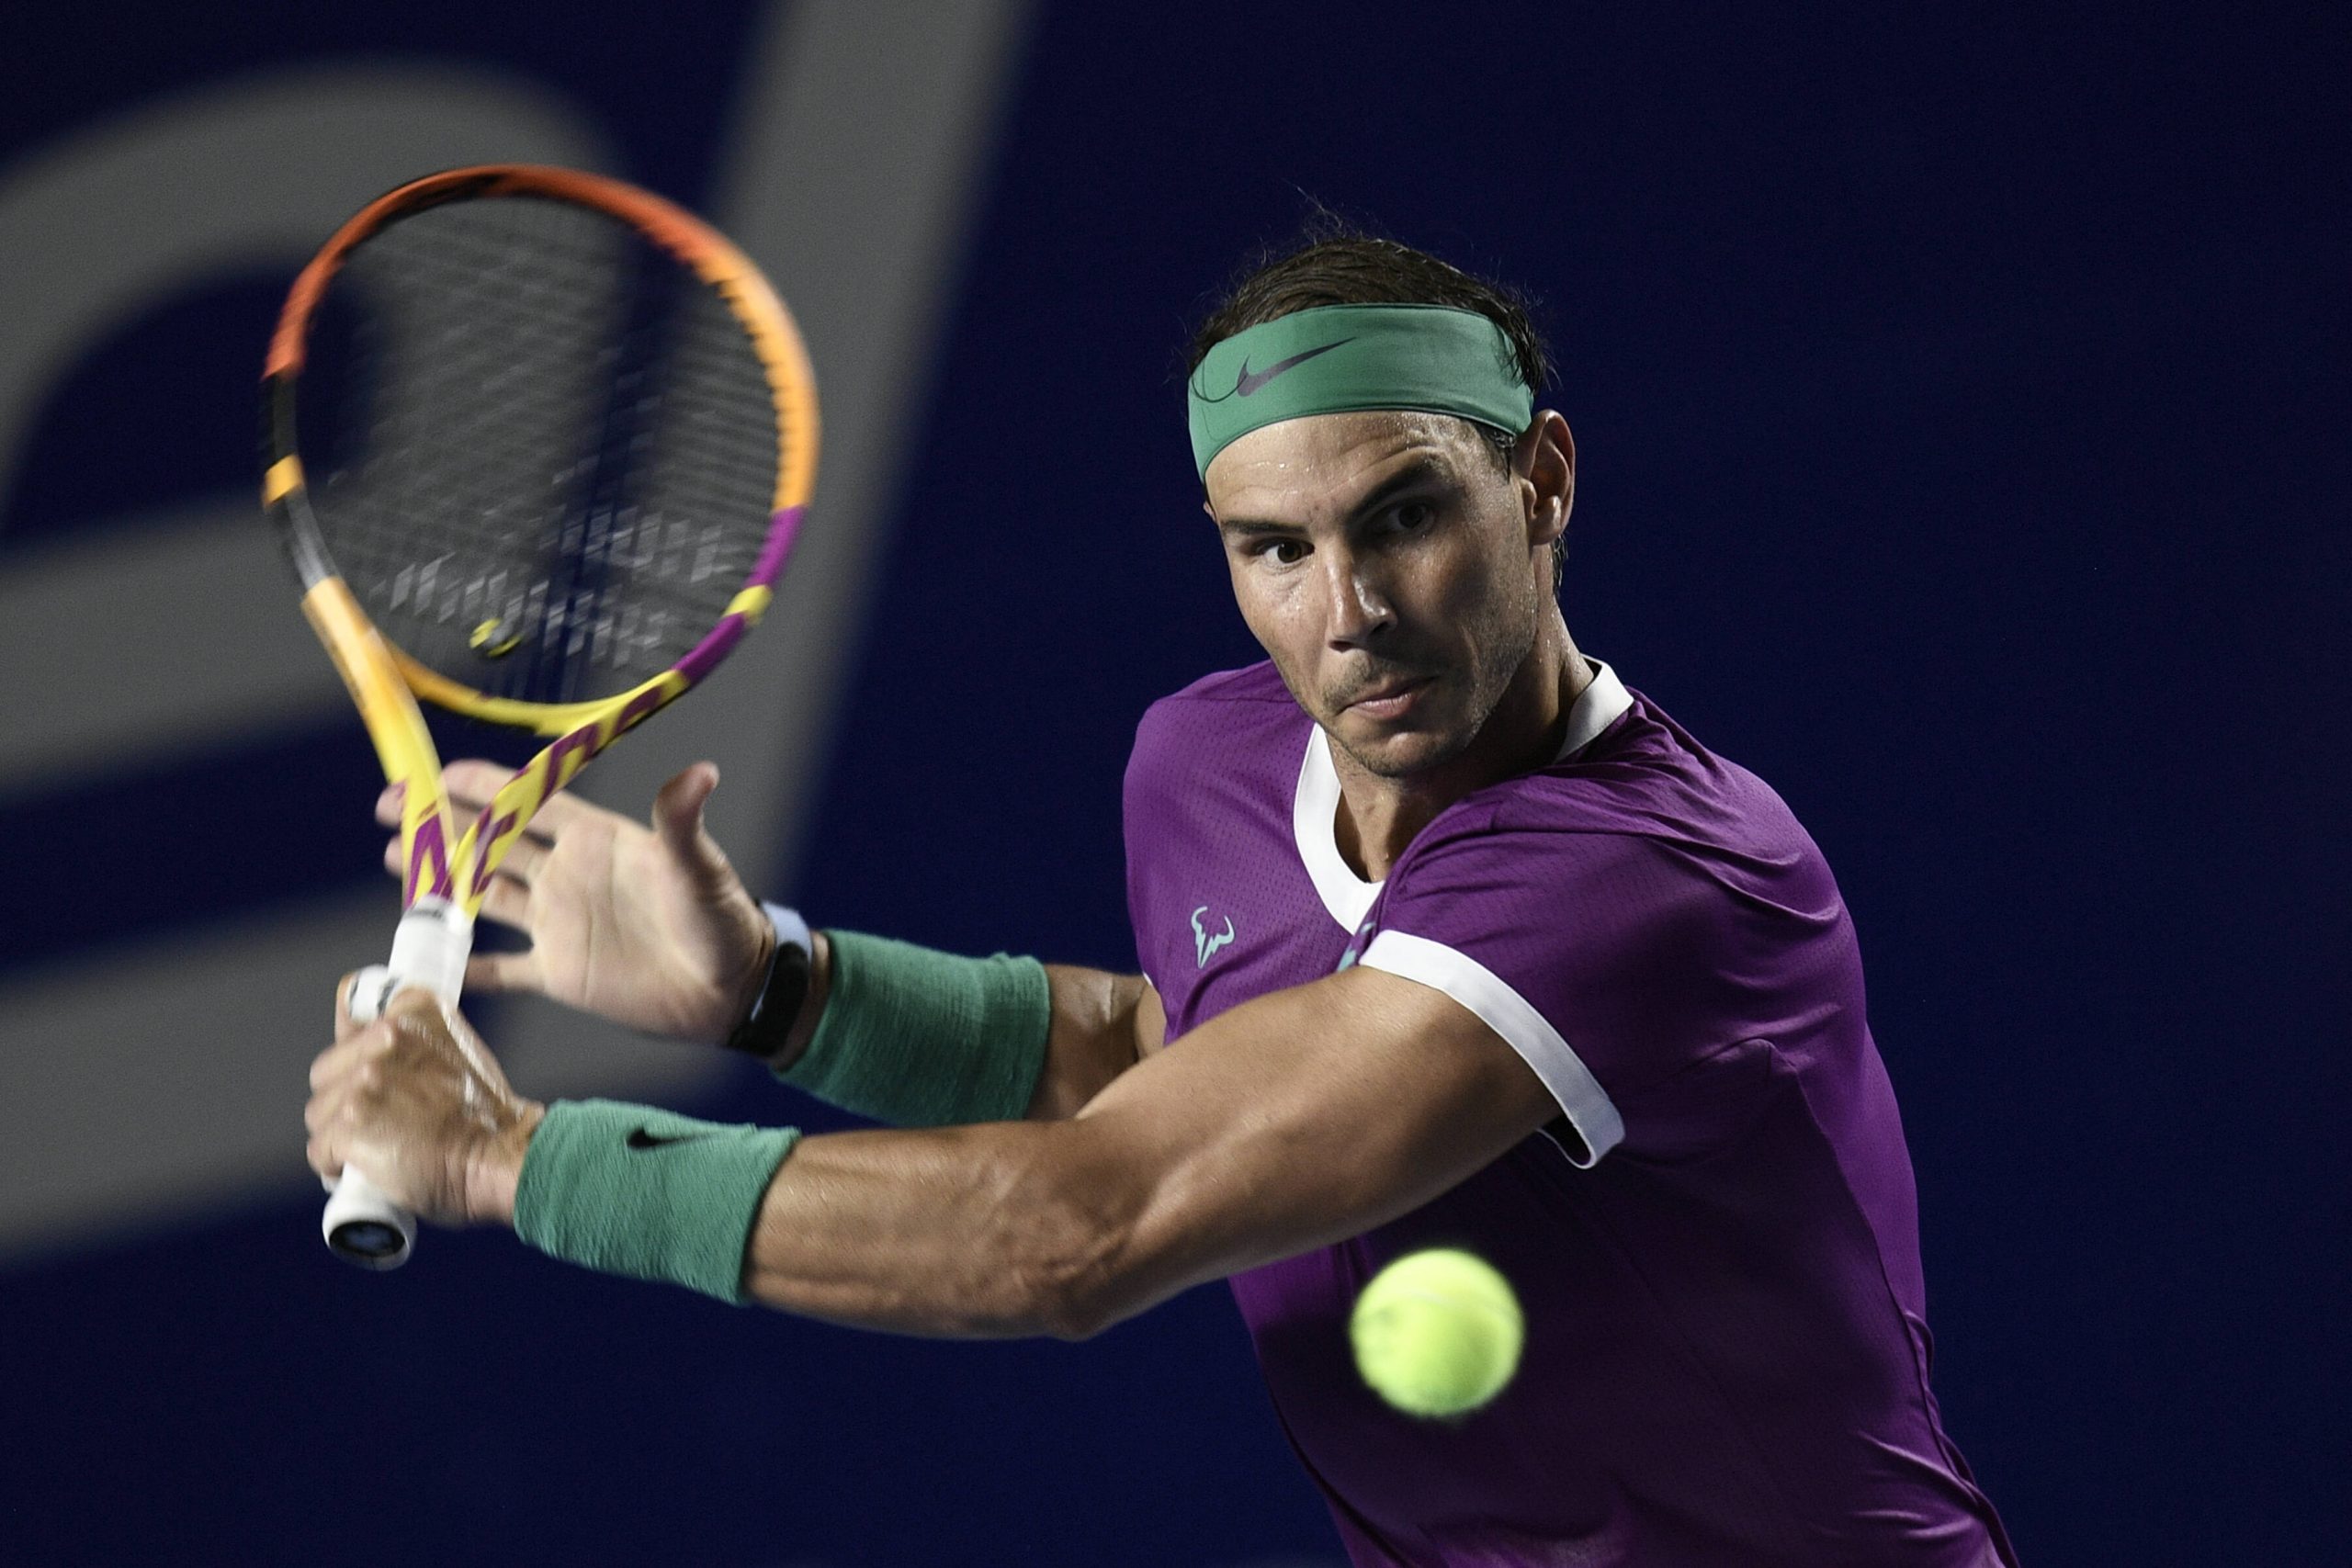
column 361, row 1226
column 365, row 1228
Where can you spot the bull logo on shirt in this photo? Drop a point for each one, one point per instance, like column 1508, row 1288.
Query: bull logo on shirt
column 1205, row 943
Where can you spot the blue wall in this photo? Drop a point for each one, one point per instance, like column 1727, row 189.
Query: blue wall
column 1960, row 399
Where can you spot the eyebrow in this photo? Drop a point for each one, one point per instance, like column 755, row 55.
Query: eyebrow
column 1431, row 468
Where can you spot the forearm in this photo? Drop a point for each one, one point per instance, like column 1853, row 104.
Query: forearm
column 1296, row 1120
column 997, row 1230
column 1093, row 1024
column 1288, row 1122
column 1004, row 1230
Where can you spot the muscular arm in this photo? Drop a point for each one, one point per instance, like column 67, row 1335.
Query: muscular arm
column 1303, row 1117
column 1299, row 1119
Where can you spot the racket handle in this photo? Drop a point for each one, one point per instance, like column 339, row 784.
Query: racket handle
column 365, row 1228
column 361, row 1226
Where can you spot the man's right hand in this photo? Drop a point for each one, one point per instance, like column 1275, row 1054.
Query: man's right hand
column 648, row 928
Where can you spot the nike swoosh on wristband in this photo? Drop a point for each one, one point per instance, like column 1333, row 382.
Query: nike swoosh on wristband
column 638, row 1138
column 1248, row 382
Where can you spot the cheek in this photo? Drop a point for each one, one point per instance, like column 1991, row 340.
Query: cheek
column 1283, row 621
column 1479, row 607
column 1262, row 610
column 1463, row 593
column 1269, row 603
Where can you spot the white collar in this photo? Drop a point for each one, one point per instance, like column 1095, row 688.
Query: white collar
column 1314, row 809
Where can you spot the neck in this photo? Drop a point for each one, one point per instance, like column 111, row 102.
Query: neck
column 1378, row 817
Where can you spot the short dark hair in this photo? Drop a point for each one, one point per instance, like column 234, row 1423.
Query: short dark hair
column 1334, row 262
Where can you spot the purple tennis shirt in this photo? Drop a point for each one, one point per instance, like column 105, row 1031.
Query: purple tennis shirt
column 1716, row 1244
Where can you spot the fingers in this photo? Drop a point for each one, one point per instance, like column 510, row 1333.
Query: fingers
column 413, row 1001
column 558, row 815
column 324, row 1150
column 323, row 1159
column 344, row 1026
column 358, row 1046
column 508, row 904
column 677, row 819
column 325, row 1110
column 343, row 1057
column 677, row 808
column 470, row 783
column 342, row 1078
column 355, row 1043
column 488, row 972
column 526, row 853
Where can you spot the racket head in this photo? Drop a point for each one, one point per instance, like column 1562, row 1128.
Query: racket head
column 537, row 444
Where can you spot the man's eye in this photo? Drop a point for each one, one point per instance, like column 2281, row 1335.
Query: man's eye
column 1414, row 515
column 1283, row 552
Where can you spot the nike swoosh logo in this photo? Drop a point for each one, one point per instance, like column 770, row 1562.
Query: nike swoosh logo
column 1248, row 382
column 638, row 1138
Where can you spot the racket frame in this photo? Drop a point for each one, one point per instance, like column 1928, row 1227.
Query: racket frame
column 448, row 872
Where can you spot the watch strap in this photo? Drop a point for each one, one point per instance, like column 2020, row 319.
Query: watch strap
column 777, row 1007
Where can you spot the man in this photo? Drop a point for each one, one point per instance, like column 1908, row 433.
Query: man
column 1448, row 938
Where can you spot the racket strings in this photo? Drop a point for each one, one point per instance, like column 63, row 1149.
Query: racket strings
column 549, row 450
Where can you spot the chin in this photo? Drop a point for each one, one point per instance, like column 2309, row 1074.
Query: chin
column 1400, row 753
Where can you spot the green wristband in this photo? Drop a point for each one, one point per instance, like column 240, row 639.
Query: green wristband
column 919, row 1038
column 633, row 1191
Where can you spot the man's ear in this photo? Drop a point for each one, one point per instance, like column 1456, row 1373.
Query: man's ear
column 1545, row 463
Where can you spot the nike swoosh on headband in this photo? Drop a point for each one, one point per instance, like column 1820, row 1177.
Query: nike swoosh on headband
column 1248, row 381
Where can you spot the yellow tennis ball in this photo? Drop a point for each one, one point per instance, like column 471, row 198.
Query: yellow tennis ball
column 1437, row 1333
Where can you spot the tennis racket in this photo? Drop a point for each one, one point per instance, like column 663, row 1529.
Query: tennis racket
column 536, row 444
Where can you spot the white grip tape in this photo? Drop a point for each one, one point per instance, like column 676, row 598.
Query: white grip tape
column 431, row 947
column 429, row 951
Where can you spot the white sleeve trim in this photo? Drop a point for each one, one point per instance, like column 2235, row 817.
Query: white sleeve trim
column 1508, row 1014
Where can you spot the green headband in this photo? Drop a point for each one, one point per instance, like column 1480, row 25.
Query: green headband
column 1350, row 359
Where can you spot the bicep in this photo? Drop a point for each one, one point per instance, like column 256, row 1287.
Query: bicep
column 1301, row 1118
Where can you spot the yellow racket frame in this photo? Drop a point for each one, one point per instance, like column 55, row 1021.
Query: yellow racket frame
column 384, row 682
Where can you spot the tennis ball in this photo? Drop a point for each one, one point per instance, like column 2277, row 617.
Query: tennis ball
column 1437, row 1333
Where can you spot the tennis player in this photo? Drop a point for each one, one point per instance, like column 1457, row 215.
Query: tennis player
column 1448, row 936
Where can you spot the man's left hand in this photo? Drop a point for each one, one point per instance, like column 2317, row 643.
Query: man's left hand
column 416, row 1100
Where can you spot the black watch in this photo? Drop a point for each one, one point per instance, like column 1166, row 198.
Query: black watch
column 778, row 1008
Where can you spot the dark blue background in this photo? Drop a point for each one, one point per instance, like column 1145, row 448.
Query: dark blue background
column 1959, row 394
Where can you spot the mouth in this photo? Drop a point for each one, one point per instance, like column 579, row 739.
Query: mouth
column 1390, row 699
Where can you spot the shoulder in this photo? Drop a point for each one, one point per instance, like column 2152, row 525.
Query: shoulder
column 1622, row 914
column 1247, row 708
column 1254, row 686
column 1642, row 827
column 1644, row 777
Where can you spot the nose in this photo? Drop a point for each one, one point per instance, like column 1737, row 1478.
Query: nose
column 1359, row 610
